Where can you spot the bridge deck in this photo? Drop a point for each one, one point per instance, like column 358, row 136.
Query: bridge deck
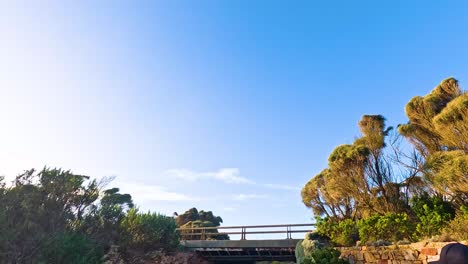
column 203, row 244
column 243, row 251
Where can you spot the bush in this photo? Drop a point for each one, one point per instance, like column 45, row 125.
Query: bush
column 148, row 231
column 310, row 251
column 342, row 233
column 324, row 255
column 389, row 227
column 299, row 252
column 210, row 234
column 71, row 248
column 433, row 214
column 458, row 227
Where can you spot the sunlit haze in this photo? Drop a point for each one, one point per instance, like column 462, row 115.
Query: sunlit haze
column 227, row 106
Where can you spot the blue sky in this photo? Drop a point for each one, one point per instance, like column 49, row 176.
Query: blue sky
column 229, row 106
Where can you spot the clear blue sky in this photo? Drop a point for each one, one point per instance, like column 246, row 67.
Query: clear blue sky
column 229, row 106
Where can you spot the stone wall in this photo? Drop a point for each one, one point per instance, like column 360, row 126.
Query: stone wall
column 416, row 253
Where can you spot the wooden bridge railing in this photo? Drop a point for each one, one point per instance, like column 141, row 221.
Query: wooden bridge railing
column 187, row 233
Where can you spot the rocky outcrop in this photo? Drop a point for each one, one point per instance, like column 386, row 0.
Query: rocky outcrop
column 416, row 253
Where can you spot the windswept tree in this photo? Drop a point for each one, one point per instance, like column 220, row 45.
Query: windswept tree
column 438, row 128
column 39, row 207
column 359, row 180
column 103, row 221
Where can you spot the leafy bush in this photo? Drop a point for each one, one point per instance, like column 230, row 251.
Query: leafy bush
column 433, row 214
column 313, row 251
column 299, row 252
column 342, row 233
column 71, row 248
column 458, row 227
column 389, row 227
column 324, row 255
column 149, row 231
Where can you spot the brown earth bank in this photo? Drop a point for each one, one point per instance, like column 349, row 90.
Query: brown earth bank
column 114, row 257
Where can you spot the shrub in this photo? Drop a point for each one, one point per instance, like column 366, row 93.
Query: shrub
column 433, row 214
column 149, row 231
column 299, row 252
column 389, row 227
column 71, row 248
column 310, row 251
column 342, row 233
column 458, row 227
column 210, row 234
column 324, row 255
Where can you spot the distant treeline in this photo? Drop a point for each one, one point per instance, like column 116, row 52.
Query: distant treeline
column 54, row 216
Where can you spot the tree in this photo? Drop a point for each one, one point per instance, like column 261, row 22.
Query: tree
column 39, row 207
column 104, row 220
column 193, row 218
column 54, row 216
column 146, row 231
column 438, row 128
column 359, row 180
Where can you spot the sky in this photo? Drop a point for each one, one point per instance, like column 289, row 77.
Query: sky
column 227, row 106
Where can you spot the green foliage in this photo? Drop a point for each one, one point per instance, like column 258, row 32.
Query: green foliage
column 342, row 233
column 324, row 255
column 433, row 214
column 102, row 223
column 194, row 215
column 310, row 250
column 372, row 179
column 438, row 128
column 71, row 248
column 39, row 206
column 55, row 216
column 149, row 231
column 388, row 227
column 194, row 218
column 458, row 227
column 299, row 252
column 359, row 180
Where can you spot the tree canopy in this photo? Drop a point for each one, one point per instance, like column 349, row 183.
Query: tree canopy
column 375, row 180
column 359, row 179
column 438, row 129
column 195, row 218
column 55, row 216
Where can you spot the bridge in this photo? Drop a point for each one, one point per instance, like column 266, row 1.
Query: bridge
column 205, row 241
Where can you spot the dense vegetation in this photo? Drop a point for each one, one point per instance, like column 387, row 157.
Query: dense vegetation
column 55, row 216
column 373, row 190
column 376, row 189
column 313, row 251
column 193, row 218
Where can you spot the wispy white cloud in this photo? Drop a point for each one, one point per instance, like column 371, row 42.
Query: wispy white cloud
column 282, row 187
column 244, row 197
column 226, row 175
column 147, row 193
column 230, row 209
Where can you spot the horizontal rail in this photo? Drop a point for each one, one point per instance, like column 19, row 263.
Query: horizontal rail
column 202, row 231
column 237, row 227
column 240, row 233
